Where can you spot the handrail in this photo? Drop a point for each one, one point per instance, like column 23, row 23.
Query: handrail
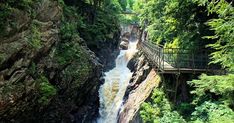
column 176, row 58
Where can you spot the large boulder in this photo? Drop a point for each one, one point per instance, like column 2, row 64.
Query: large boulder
column 124, row 45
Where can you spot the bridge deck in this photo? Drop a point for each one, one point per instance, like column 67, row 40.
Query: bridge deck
column 174, row 60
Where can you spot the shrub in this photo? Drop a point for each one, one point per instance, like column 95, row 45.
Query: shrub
column 217, row 85
column 159, row 110
column 4, row 14
column 211, row 112
column 46, row 90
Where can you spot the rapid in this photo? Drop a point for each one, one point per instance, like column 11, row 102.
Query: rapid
column 112, row 92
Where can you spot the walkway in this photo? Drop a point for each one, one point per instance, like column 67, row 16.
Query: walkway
column 175, row 60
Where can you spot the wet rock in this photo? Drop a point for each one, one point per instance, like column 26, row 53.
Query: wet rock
column 107, row 51
column 140, row 71
column 126, row 35
column 144, row 79
column 132, row 64
column 123, row 45
column 125, row 39
column 129, row 111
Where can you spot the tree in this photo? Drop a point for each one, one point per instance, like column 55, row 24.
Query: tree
column 193, row 25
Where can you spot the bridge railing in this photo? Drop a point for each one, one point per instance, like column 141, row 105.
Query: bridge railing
column 154, row 53
column 176, row 58
column 183, row 58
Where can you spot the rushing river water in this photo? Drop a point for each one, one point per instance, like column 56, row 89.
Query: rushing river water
column 111, row 93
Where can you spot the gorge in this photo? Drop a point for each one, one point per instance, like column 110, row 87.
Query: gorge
column 116, row 61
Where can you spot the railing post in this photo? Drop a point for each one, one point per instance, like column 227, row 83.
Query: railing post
column 207, row 60
column 163, row 58
column 159, row 58
column 193, row 61
column 178, row 60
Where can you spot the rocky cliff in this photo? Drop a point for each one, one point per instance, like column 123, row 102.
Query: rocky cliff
column 47, row 72
column 144, row 80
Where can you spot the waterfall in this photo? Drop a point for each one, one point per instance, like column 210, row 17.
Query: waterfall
column 111, row 93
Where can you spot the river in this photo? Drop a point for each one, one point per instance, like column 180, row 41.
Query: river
column 111, row 93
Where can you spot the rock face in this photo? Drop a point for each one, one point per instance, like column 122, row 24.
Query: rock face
column 107, row 51
column 141, row 85
column 40, row 79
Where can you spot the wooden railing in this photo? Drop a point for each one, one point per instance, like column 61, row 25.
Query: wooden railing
column 177, row 58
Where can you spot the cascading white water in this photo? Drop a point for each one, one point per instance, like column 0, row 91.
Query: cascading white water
column 111, row 93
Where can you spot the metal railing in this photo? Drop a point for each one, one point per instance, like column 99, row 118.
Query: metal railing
column 176, row 58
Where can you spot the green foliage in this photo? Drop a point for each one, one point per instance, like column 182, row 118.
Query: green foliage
column 69, row 49
column 128, row 19
column 219, row 85
column 46, row 90
column 193, row 25
column 159, row 110
column 70, row 52
column 123, row 4
column 224, row 31
column 4, row 15
column 32, row 69
column 70, row 22
column 118, row 7
column 61, row 2
column 187, row 23
column 171, row 117
column 210, row 112
column 20, row 4
column 131, row 3
column 173, row 20
column 113, row 6
column 95, row 27
column 103, row 29
column 7, row 7
column 34, row 38
column 67, row 30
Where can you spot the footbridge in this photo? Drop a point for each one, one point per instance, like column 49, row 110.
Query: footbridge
column 177, row 60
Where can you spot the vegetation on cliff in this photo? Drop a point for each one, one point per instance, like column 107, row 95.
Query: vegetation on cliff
column 47, row 70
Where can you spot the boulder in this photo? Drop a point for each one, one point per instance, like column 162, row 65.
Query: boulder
column 123, row 45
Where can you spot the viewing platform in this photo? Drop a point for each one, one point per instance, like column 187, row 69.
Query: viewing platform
column 178, row 60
